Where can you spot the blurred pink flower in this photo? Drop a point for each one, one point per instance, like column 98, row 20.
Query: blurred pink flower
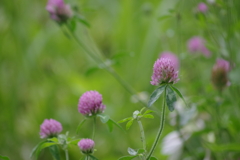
column 58, row 10
column 172, row 57
column 90, row 103
column 86, row 146
column 220, row 74
column 164, row 72
column 196, row 44
column 50, row 128
column 202, row 7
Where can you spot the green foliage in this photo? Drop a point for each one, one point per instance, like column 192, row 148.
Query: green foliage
column 156, row 94
column 170, row 98
column 4, row 157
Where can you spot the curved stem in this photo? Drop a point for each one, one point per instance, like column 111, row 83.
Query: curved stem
column 108, row 68
column 66, row 153
column 94, row 127
column 142, row 134
column 160, row 128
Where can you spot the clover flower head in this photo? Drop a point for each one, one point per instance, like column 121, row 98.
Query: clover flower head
column 172, row 57
column 202, row 7
column 197, row 44
column 86, row 146
column 90, row 103
column 50, row 128
column 220, row 74
column 59, row 11
column 164, row 72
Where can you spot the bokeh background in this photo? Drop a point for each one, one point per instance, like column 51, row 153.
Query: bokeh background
column 43, row 73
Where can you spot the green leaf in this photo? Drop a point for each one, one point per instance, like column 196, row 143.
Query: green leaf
column 156, row 94
column 170, row 98
column 148, row 116
column 72, row 25
column 47, row 144
column 153, row 158
column 179, row 94
column 127, row 157
column 104, row 118
column 80, row 124
column 223, row 147
column 75, row 141
column 125, row 119
column 4, row 157
column 140, row 151
column 110, row 126
column 54, row 139
column 132, row 152
column 36, row 149
column 164, row 17
column 111, row 123
column 92, row 157
column 148, row 111
column 55, row 152
column 82, row 20
column 129, row 124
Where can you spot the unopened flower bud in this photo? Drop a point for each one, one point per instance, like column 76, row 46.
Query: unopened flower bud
column 220, row 74
column 86, row 146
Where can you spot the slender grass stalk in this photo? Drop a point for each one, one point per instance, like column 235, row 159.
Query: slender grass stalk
column 108, row 68
column 142, row 135
column 160, row 128
column 94, row 127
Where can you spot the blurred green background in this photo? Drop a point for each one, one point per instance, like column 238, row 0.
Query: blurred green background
column 43, row 73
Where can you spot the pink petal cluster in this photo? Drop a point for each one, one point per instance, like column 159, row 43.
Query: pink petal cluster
column 86, row 146
column 90, row 103
column 220, row 74
column 58, row 10
column 172, row 57
column 202, row 7
column 50, row 128
column 164, row 72
column 197, row 44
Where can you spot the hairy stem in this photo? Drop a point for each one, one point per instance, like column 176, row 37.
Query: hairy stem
column 160, row 128
column 142, row 135
column 66, row 153
column 94, row 127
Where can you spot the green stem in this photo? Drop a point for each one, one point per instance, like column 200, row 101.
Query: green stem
column 108, row 68
column 160, row 128
column 142, row 135
column 94, row 127
column 66, row 153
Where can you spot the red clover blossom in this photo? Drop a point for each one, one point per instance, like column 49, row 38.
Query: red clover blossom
column 196, row 44
column 172, row 57
column 90, row 103
column 164, row 72
column 58, row 10
column 50, row 128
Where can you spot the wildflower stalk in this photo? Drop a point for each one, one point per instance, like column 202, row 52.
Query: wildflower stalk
column 94, row 127
column 160, row 128
column 66, row 153
column 142, row 135
column 108, row 68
